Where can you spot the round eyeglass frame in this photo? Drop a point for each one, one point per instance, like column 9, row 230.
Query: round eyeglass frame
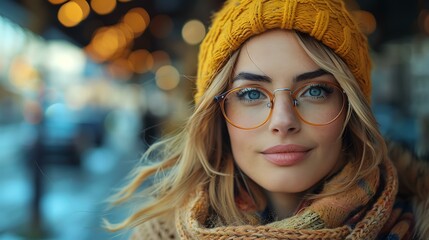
column 222, row 97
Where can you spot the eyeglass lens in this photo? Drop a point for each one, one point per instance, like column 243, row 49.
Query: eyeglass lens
column 315, row 103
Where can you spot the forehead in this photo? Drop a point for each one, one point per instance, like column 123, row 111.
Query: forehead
column 276, row 53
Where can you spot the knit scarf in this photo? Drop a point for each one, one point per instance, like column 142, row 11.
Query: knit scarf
column 365, row 211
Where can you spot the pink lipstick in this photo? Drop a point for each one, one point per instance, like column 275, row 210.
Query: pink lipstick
column 286, row 155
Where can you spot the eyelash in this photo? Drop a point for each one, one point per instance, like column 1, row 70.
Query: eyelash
column 323, row 87
column 242, row 94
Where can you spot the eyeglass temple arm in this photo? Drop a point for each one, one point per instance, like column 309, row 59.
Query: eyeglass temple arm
column 218, row 98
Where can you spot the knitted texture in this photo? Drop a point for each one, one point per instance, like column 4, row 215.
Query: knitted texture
column 332, row 211
column 332, row 222
column 376, row 221
column 326, row 21
column 156, row 229
column 400, row 223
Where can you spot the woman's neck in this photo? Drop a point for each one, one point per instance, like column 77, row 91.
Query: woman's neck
column 284, row 204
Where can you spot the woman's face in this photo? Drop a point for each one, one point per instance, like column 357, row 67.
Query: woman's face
column 285, row 155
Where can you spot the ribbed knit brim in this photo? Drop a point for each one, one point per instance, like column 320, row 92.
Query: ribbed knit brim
column 326, row 20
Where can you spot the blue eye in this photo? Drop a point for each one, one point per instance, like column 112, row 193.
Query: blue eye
column 250, row 94
column 254, row 94
column 315, row 91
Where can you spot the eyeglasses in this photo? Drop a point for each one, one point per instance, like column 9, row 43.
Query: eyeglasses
column 317, row 103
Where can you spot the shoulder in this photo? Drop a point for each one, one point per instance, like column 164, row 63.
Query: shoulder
column 159, row 228
column 413, row 175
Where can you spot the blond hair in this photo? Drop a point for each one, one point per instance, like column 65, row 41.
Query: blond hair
column 363, row 143
column 201, row 154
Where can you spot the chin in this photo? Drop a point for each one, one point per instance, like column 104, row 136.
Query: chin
column 282, row 188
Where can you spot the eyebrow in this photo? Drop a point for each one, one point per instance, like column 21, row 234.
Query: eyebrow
column 310, row 75
column 251, row 77
column 263, row 78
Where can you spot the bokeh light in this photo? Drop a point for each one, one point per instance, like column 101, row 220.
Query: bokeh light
column 141, row 61
column 127, row 31
column 57, row 1
column 107, row 43
column 70, row 14
column 65, row 58
column 83, row 4
column 366, row 21
column 103, row 7
column 193, row 32
column 23, row 75
column 137, row 19
column 167, row 77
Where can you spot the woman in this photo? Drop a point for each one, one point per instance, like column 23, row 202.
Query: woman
column 282, row 143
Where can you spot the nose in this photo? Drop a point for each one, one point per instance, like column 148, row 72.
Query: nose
column 284, row 120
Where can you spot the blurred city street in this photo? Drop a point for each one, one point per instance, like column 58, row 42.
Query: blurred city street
column 72, row 198
column 87, row 85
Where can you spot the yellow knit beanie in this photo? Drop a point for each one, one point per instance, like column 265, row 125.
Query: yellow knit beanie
column 326, row 20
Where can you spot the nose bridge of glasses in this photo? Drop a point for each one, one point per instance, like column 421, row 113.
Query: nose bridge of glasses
column 282, row 89
column 289, row 97
column 285, row 90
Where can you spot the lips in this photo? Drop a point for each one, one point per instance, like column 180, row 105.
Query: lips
column 286, row 155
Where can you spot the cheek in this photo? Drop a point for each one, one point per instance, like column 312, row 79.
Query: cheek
column 330, row 133
column 242, row 141
column 330, row 141
column 236, row 137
